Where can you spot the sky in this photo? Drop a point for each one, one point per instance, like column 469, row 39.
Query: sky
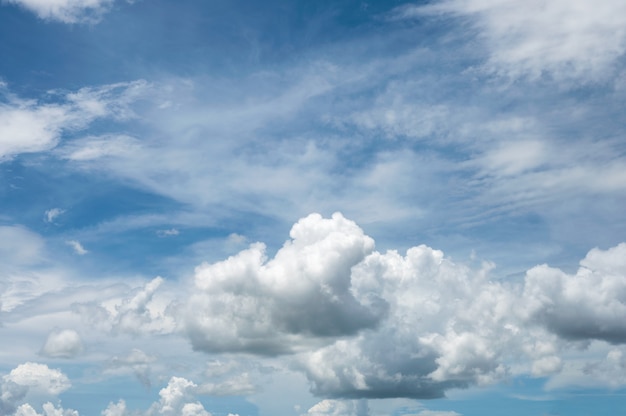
column 312, row 208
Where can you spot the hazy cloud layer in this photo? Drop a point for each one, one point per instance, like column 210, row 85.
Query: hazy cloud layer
column 563, row 39
column 66, row 11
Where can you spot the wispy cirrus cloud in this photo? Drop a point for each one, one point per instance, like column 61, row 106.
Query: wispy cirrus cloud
column 28, row 126
column 566, row 40
column 66, row 11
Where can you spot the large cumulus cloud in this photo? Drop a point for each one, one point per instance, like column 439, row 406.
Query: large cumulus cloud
column 366, row 324
column 301, row 296
column 590, row 304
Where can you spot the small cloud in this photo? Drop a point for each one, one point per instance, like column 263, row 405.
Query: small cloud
column 51, row 214
column 167, row 233
column 77, row 246
column 62, row 344
column 236, row 239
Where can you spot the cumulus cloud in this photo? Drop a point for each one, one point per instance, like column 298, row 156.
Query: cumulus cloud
column 251, row 303
column 587, row 305
column 175, row 400
column 446, row 328
column 178, row 398
column 28, row 381
column 564, row 39
column 365, row 324
column 38, row 378
column 339, row 408
column 66, row 11
column 48, row 410
column 62, row 344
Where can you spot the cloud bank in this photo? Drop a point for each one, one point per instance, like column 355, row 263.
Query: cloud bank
column 366, row 324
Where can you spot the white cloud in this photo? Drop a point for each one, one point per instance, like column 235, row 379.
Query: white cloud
column 115, row 409
column 48, row 410
column 92, row 148
column 175, row 399
column 338, row 408
column 77, row 246
column 302, row 293
column 38, row 378
column 51, row 214
column 27, row 126
column 584, row 306
column 66, row 11
column 136, row 311
column 565, row 39
column 167, row 233
column 62, row 344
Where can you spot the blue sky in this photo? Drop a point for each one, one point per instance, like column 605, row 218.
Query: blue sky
column 312, row 208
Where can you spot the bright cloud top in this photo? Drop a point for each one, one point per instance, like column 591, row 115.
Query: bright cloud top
column 360, row 323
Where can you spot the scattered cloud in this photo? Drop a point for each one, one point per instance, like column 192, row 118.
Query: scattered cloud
column 39, row 377
column 28, row 126
column 62, row 344
column 137, row 362
column 66, row 11
column 77, row 246
column 168, row 233
column 339, row 408
column 131, row 311
column 566, row 40
column 51, row 214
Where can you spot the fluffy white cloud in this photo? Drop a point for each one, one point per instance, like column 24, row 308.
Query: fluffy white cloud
column 48, row 410
column 587, row 305
column 66, row 11
column 446, row 327
column 175, row 400
column 62, row 343
column 250, row 303
column 31, row 380
column 431, row 324
column 39, row 378
column 565, row 39
column 338, row 408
